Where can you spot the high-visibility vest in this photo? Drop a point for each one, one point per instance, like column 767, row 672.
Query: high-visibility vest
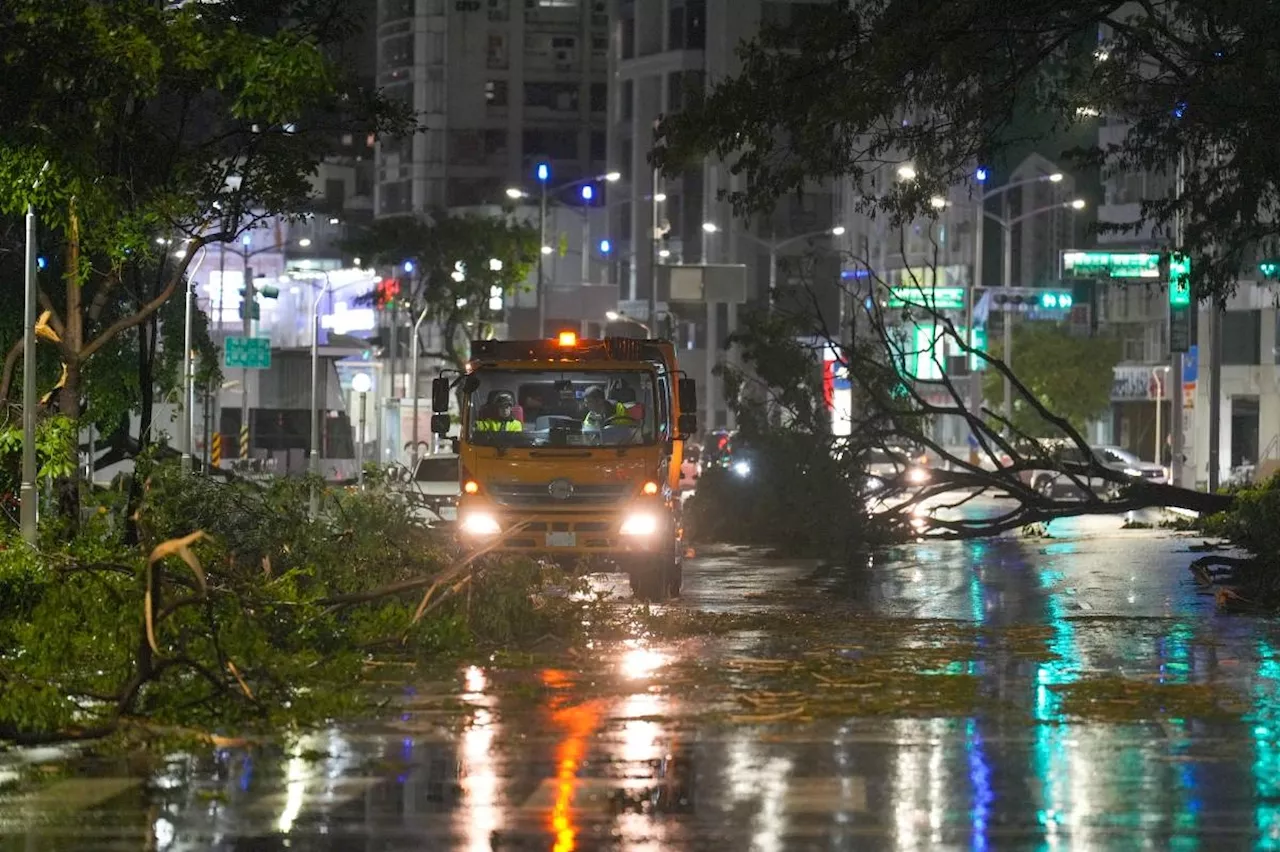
column 620, row 417
column 499, row 426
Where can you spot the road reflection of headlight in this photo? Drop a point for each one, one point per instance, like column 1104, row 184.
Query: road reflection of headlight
column 641, row 523
column 479, row 523
column 917, row 475
column 742, row 468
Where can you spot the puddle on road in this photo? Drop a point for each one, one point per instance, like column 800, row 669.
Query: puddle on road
column 788, row 712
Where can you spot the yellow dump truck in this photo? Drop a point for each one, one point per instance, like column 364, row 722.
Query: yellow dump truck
column 571, row 448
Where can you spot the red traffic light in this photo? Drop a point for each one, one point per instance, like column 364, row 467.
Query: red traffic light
column 388, row 290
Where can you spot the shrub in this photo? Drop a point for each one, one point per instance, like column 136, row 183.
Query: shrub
column 235, row 610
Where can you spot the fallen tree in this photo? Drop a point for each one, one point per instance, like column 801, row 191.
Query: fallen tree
column 892, row 409
column 237, row 613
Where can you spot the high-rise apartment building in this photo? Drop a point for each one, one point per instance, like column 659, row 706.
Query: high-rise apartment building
column 662, row 49
column 498, row 86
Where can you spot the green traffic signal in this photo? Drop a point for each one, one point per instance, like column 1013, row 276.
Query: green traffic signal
column 269, row 291
column 1270, row 268
column 1179, row 280
column 1051, row 300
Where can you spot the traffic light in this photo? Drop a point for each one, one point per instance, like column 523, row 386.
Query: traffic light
column 1056, row 300
column 1270, row 268
column 388, row 291
column 1022, row 299
column 1179, row 280
column 249, row 298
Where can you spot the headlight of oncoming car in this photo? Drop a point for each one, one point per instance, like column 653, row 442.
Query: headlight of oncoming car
column 479, row 523
column 742, row 468
column 640, row 523
column 917, row 475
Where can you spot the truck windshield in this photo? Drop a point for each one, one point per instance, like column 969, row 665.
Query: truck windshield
column 534, row 408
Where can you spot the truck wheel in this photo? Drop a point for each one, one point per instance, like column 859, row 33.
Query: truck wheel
column 656, row 579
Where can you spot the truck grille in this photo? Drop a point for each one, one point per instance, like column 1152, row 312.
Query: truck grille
column 538, row 495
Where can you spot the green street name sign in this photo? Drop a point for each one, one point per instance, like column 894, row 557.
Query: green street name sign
column 247, row 353
column 1110, row 264
column 937, row 298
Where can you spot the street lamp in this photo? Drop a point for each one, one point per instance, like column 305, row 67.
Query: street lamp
column 615, row 316
column 542, row 172
column 1006, row 278
column 188, row 424
column 981, row 175
column 361, row 384
column 775, row 246
column 313, row 456
column 906, row 171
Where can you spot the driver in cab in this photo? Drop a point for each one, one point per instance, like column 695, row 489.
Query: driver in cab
column 601, row 412
column 497, row 416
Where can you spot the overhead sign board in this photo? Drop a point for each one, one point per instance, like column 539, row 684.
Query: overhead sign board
column 936, row 298
column 1110, row 264
column 247, row 353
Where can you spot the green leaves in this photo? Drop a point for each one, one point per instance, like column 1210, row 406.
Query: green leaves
column 459, row 262
column 950, row 86
column 1070, row 375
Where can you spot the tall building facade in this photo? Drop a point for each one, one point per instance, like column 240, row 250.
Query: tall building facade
column 660, row 50
column 498, row 85
column 1248, row 347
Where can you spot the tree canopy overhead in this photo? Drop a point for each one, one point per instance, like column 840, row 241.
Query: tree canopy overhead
column 949, row 86
column 459, row 262
column 133, row 125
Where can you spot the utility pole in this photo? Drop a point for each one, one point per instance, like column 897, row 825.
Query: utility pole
column 1215, row 392
column 1216, row 307
column 653, row 259
column 544, row 175
column 27, row 490
column 247, row 305
column 1006, row 279
column 1176, row 447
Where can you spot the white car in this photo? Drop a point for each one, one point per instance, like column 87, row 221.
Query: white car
column 435, row 487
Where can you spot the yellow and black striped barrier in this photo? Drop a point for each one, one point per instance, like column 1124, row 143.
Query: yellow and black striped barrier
column 215, row 450
column 244, row 442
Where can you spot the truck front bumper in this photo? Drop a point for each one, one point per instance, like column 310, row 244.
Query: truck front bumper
column 642, row 529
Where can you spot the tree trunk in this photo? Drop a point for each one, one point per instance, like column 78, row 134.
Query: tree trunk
column 146, row 399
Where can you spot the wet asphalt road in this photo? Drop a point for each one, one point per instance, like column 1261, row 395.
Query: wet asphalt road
column 1074, row 692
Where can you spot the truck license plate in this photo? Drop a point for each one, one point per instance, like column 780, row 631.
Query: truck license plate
column 562, row 539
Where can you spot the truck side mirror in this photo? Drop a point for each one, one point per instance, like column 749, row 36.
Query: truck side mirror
column 688, row 389
column 440, row 423
column 686, row 425
column 439, row 397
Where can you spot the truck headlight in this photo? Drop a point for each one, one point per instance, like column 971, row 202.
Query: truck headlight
column 641, row 523
column 479, row 523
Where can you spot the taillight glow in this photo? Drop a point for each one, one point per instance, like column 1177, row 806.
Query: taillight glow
column 568, row 339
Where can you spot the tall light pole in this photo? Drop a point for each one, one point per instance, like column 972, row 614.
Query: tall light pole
column 543, row 174
column 361, row 384
column 27, row 492
column 188, row 422
column 313, row 455
column 1007, row 281
column 981, row 175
